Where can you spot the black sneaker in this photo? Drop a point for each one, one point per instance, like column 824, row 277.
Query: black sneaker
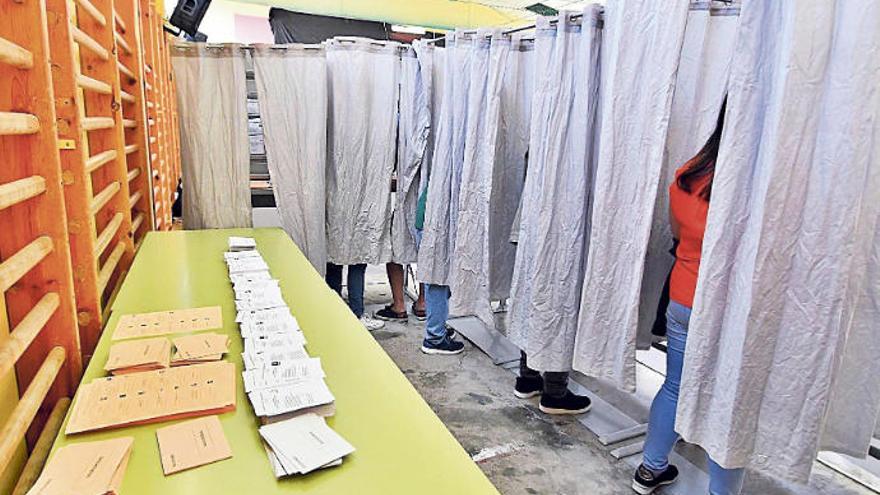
column 645, row 481
column 389, row 314
column 567, row 404
column 528, row 386
column 450, row 332
column 447, row 346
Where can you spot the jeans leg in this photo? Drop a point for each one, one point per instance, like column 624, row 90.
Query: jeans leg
column 555, row 383
column 437, row 307
column 356, row 288
column 524, row 370
column 661, row 435
column 334, row 277
column 725, row 481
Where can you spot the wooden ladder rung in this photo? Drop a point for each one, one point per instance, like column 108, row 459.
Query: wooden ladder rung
column 126, row 97
column 40, row 452
column 129, row 123
column 120, row 40
column 26, row 331
column 125, row 70
column 131, row 148
column 136, row 223
column 17, row 265
column 95, row 85
column 20, row 420
column 154, row 157
column 151, row 122
column 86, row 41
column 93, row 11
column 119, row 22
column 150, row 104
column 103, row 197
column 152, row 139
column 133, row 173
column 97, row 123
column 20, row 190
column 107, row 270
column 107, row 234
column 14, row 55
column 15, row 123
column 134, row 199
column 148, row 86
column 95, row 162
column 148, row 69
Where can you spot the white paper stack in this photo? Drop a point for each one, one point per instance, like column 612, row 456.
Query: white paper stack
column 242, row 243
column 303, row 444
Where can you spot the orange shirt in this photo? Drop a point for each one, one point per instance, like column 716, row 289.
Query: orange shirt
column 689, row 211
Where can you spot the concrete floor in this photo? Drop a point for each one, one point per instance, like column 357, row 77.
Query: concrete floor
column 521, row 450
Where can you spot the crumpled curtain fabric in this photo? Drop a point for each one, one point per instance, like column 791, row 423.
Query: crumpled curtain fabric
column 214, row 150
column 292, row 88
column 363, row 78
column 548, row 272
column 430, row 57
column 510, row 164
column 414, row 125
column 469, row 280
column 784, row 296
column 441, row 211
column 639, row 38
column 700, row 87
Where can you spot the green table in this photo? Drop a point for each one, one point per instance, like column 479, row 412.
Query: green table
column 402, row 447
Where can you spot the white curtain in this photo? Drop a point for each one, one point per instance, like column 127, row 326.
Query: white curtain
column 469, row 279
column 214, row 150
column 292, row 88
column 700, row 87
column 785, row 323
column 414, row 126
column 363, row 78
column 441, row 213
column 510, row 165
column 548, row 271
column 639, row 38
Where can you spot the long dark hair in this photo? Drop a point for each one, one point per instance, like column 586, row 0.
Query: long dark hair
column 703, row 165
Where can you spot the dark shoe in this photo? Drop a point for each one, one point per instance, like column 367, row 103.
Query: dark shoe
column 645, row 481
column 567, row 404
column 420, row 314
column 528, row 386
column 450, row 332
column 447, row 346
column 389, row 314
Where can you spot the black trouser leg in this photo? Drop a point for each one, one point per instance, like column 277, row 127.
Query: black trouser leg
column 524, row 370
column 555, row 383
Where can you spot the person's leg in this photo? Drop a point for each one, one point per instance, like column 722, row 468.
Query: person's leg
column 356, row 275
column 655, row 470
column 558, row 399
column 397, row 309
column 725, row 481
column 334, row 277
column 437, row 340
column 529, row 382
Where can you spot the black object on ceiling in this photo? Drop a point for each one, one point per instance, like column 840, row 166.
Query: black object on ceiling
column 188, row 14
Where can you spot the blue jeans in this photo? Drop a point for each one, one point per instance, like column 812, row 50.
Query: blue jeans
column 661, row 435
column 355, row 285
column 436, row 306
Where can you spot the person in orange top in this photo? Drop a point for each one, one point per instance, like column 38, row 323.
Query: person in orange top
column 689, row 197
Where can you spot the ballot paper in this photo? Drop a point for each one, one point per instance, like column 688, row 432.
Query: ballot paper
column 138, row 355
column 241, row 243
column 165, row 322
column 249, row 277
column 87, row 468
column 290, row 398
column 278, row 469
column 240, row 255
column 253, row 283
column 191, row 444
column 272, row 357
column 269, row 316
column 304, row 444
column 269, row 342
column 290, row 373
column 252, row 292
column 201, row 345
column 260, row 329
column 153, row 396
column 247, row 265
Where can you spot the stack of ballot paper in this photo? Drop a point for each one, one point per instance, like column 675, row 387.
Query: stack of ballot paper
column 199, row 348
column 138, row 355
column 284, row 384
column 86, row 467
column 303, row 444
column 242, row 243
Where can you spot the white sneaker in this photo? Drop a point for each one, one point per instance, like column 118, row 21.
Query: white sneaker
column 371, row 323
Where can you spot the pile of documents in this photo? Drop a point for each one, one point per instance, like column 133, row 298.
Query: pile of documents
column 192, row 444
column 138, row 355
column 282, row 381
column 86, row 467
column 199, row 348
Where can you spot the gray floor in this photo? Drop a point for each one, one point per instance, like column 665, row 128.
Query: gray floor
column 521, row 450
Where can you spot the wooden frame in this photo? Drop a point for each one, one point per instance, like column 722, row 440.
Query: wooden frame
column 36, row 278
